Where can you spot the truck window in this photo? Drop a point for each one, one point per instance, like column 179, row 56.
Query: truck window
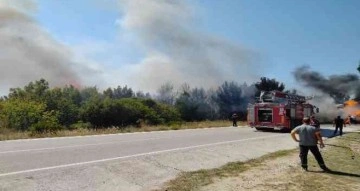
column 265, row 115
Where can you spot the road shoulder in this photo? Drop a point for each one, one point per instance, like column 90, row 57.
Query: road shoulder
column 341, row 154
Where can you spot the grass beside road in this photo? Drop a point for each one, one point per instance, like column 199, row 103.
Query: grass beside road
column 342, row 156
column 6, row 134
column 281, row 171
column 189, row 181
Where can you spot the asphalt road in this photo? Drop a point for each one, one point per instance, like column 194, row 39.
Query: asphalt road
column 134, row 161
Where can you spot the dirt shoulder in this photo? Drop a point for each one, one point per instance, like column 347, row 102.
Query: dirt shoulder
column 283, row 172
column 342, row 155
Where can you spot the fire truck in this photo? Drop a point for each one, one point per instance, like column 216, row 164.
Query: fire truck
column 279, row 111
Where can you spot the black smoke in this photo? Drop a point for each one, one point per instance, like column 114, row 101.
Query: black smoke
column 338, row 87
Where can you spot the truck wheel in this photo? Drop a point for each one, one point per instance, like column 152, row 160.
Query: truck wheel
column 285, row 130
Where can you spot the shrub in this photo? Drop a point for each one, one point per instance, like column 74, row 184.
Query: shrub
column 80, row 125
column 48, row 123
column 21, row 114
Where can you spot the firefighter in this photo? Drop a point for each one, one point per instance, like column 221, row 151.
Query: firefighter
column 339, row 123
column 308, row 139
column 234, row 118
column 314, row 122
column 348, row 120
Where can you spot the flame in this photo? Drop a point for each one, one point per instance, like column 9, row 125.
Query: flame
column 351, row 103
column 352, row 107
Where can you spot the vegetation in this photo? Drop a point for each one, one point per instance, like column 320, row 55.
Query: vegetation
column 81, row 129
column 37, row 108
column 281, row 171
column 267, row 84
column 187, row 181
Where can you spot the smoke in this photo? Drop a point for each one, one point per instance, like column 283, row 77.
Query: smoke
column 338, row 87
column 328, row 110
column 28, row 52
column 176, row 51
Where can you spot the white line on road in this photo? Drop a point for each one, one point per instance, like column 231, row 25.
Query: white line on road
column 131, row 156
column 118, row 134
column 73, row 146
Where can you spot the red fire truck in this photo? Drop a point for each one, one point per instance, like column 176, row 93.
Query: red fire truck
column 279, row 111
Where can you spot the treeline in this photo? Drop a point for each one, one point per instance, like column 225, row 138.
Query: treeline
column 39, row 108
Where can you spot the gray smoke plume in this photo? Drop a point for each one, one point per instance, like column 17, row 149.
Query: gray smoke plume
column 176, row 51
column 27, row 51
column 338, row 87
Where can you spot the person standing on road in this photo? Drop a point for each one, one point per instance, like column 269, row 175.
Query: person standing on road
column 234, row 118
column 308, row 139
column 314, row 122
column 339, row 124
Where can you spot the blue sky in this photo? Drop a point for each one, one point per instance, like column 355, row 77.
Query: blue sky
column 324, row 34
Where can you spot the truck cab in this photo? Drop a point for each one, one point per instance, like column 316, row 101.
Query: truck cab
column 278, row 111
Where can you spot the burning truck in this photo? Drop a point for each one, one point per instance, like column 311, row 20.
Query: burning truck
column 279, row 111
column 350, row 110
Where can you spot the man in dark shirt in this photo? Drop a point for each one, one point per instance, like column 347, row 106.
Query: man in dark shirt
column 308, row 139
column 234, row 118
column 338, row 124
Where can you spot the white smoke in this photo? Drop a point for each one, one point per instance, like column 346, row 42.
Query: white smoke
column 176, row 51
column 29, row 53
column 328, row 109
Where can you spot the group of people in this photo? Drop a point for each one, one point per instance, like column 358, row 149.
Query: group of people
column 309, row 136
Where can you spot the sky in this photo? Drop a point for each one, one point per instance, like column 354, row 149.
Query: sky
column 146, row 43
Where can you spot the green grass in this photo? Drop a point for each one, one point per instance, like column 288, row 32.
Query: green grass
column 341, row 154
column 6, row 134
column 188, row 181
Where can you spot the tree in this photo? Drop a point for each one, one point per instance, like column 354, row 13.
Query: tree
column 267, row 84
column 89, row 93
column 193, row 104
column 167, row 113
column 124, row 92
column 229, row 98
column 65, row 102
column 166, row 94
column 108, row 93
column 91, row 111
column 35, row 91
column 73, row 94
column 140, row 94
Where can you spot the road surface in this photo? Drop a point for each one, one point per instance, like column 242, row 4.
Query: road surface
column 129, row 162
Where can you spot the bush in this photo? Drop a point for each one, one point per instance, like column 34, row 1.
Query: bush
column 19, row 114
column 80, row 125
column 48, row 123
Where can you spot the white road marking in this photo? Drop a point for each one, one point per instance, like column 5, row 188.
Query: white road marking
column 83, row 145
column 117, row 134
column 131, row 156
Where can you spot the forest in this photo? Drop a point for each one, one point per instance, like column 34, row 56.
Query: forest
column 39, row 108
